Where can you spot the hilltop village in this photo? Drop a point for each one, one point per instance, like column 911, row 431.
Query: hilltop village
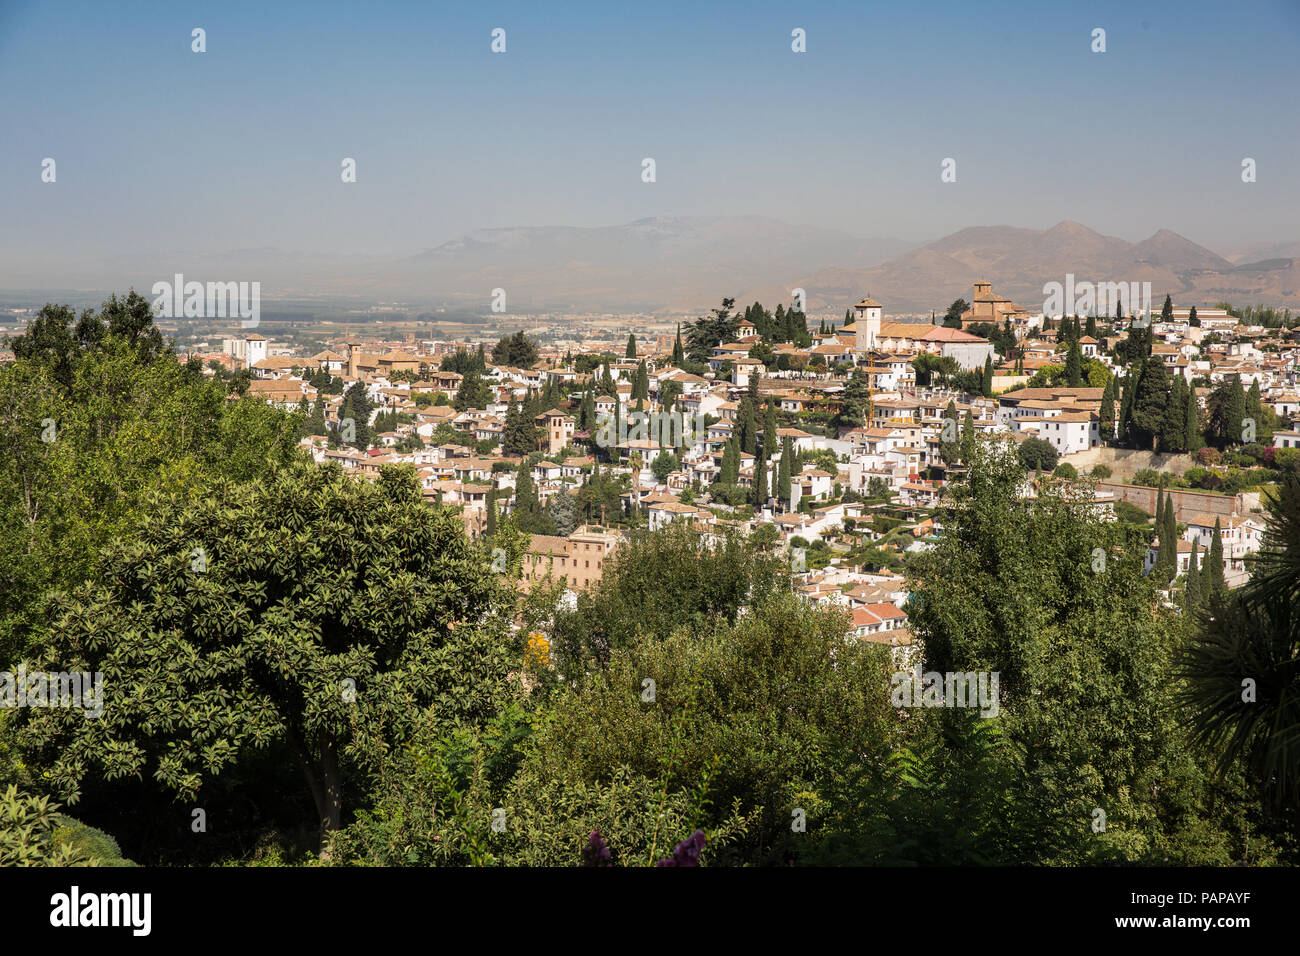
column 833, row 441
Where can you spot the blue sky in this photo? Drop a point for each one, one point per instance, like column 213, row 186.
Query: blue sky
column 161, row 148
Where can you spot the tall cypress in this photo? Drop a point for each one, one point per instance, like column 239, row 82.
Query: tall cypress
column 1216, row 588
column 748, row 428
column 783, row 471
column 1170, row 533
column 1192, row 588
column 1193, row 440
column 760, row 478
column 1108, row 410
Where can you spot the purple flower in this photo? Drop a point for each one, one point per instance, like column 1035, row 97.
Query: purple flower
column 596, row 852
column 686, row 853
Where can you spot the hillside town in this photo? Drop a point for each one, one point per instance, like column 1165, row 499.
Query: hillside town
column 834, row 443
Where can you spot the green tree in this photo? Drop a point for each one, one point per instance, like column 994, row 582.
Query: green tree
column 1151, row 395
column 784, row 471
column 473, row 392
column 564, row 511
column 1241, row 680
column 630, row 351
column 1038, row 455
column 1217, row 588
column 309, row 612
column 664, row 464
column 1074, row 365
column 1108, row 410
column 517, row 351
column 855, row 402
column 952, row 318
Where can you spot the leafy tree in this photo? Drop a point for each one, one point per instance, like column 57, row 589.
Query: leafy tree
column 1242, row 684
column 1086, row 676
column 473, row 392
column 709, row 332
column 952, row 318
column 1150, row 397
column 515, row 350
column 309, row 613
column 1038, row 455
column 564, row 511
column 520, row 434
column 664, row 464
column 657, row 582
column 855, row 402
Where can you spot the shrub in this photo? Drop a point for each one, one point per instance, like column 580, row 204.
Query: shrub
column 1066, row 470
column 1101, row 471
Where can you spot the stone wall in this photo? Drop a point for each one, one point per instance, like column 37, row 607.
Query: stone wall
column 1187, row 504
column 1126, row 462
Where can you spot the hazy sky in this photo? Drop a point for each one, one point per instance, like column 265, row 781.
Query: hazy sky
column 159, row 148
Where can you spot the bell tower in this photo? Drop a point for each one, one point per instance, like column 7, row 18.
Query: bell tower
column 867, row 318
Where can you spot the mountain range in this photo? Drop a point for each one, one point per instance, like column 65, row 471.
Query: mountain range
column 1018, row 262
column 687, row 264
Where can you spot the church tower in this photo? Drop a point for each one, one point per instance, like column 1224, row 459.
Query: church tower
column 867, row 318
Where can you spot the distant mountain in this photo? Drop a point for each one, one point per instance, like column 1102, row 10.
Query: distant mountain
column 1018, row 262
column 1259, row 251
column 651, row 264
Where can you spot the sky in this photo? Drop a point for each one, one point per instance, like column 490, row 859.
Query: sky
column 160, row 148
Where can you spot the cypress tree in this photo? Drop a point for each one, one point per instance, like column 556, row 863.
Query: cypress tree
column 1216, row 589
column 769, row 429
column 1193, row 440
column 679, row 355
column 525, row 495
column 631, row 346
column 1192, row 588
column 760, row 479
column 1170, row 533
column 783, row 471
column 1074, row 365
column 491, row 530
column 988, row 376
column 748, row 428
column 1108, row 410
column 1237, row 412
